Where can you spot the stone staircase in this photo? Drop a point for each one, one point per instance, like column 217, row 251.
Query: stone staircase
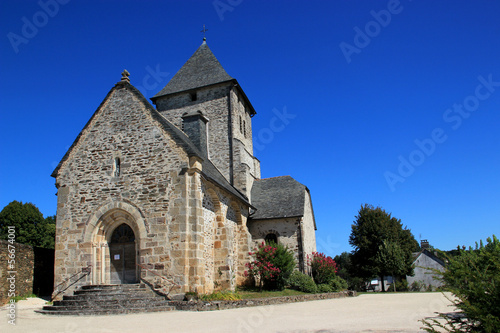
column 109, row 299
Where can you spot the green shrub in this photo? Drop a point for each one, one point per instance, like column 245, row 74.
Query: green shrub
column 402, row 285
column 417, row 286
column 324, row 288
column 272, row 266
column 323, row 268
column 338, row 284
column 302, row 282
column 473, row 276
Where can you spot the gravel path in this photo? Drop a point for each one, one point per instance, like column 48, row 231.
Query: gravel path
column 366, row 313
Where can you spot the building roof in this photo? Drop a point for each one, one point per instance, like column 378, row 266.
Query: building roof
column 278, row 197
column 428, row 253
column 209, row 171
column 202, row 69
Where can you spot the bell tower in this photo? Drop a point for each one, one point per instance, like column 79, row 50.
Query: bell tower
column 202, row 85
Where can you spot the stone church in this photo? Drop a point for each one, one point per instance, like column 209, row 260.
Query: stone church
column 171, row 194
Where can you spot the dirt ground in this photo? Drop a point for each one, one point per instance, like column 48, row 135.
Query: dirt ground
column 366, row 313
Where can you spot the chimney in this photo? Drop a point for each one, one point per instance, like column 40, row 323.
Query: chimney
column 424, row 244
column 194, row 124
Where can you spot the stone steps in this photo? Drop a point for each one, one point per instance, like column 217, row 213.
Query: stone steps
column 109, row 299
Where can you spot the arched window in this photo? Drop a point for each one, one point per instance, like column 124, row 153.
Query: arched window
column 271, row 238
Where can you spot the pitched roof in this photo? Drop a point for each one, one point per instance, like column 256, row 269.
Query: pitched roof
column 278, row 197
column 202, row 69
column 428, row 253
column 209, row 171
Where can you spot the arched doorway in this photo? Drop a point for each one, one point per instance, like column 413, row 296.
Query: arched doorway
column 122, row 252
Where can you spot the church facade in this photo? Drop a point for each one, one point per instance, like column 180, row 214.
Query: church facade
column 172, row 195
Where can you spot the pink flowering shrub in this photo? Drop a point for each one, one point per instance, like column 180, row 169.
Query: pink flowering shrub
column 323, row 268
column 272, row 266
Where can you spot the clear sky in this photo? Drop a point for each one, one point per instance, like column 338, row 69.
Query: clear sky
column 391, row 103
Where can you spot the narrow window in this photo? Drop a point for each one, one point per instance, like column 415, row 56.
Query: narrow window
column 116, row 167
column 194, row 97
column 244, row 129
column 241, row 126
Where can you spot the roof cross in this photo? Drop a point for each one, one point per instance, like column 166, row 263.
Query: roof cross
column 125, row 75
column 204, row 31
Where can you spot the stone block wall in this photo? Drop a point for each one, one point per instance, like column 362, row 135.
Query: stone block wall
column 24, row 268
column 149, row 191
column 308, row 227
column 246, row 169
column 286, row 229
column 213, row 102
column 242, row 122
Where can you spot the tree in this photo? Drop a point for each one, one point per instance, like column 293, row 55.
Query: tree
column 390, row 258
column 473, row 276
column 30, row 226
column 371, row 228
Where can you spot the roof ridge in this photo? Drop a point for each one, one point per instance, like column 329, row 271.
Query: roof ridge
column 276, row 177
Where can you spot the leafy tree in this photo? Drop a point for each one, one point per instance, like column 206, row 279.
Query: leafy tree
column 30, row 226
column 390, row 258
column 371, row 228
column 473, row 276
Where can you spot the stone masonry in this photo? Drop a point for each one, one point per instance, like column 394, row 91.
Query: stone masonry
column 140, row 197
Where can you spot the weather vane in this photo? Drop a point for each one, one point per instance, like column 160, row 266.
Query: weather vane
column 204, row 31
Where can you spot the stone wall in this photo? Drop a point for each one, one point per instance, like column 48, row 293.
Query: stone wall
column 246, row 168
column 286, row 229
column 230, row 145
column 24, row 267
column 149, row 193
column 226, row 239
column 242, row 121
column 308, row 227
column 223, row 305
column 213, row 102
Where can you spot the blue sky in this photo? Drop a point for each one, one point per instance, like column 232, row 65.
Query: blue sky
column 391, row 103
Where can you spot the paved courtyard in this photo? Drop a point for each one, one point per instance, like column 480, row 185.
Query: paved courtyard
column 366, row 313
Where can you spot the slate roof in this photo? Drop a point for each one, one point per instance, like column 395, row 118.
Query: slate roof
column 202, row 69
column 428, row 253
column 278, row 197
column 209, row 171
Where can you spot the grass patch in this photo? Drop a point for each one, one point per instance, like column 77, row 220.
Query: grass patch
column 21, row 298
column 247, row 293
column 221, row 296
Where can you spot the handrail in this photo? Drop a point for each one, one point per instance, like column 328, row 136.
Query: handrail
column 85, row 270
column 164, row 278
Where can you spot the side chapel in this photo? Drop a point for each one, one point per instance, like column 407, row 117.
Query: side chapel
column 173, row 190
